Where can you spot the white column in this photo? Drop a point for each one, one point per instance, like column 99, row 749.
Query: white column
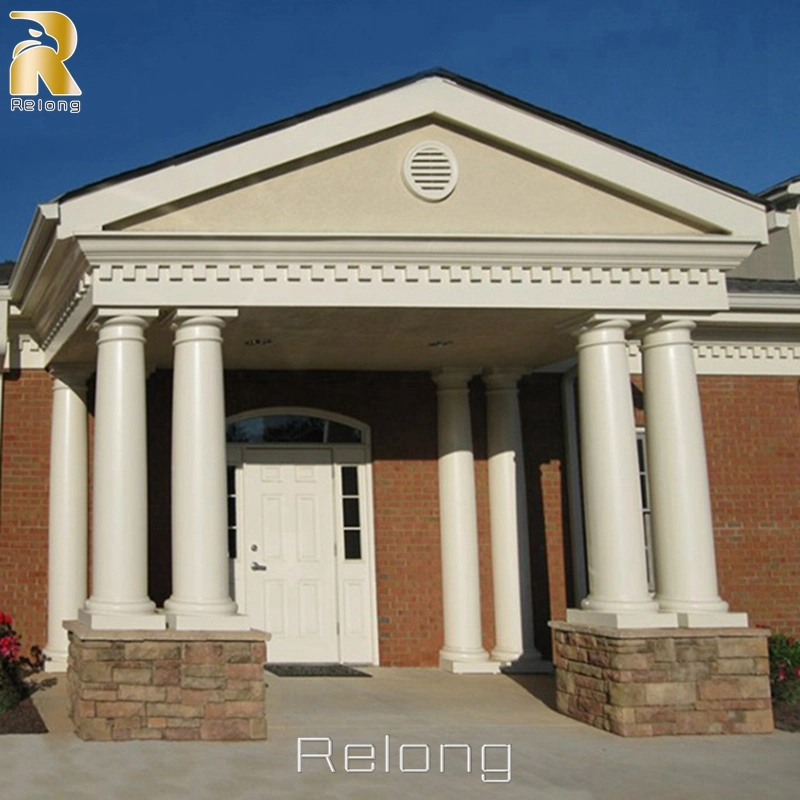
column 200, row 586
column 119, row 511
column 618, row 594
column 67, row 545
column 511, row 574
column 683, row 533
column 463, row 643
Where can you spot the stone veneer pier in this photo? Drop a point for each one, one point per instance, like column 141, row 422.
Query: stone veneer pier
column 664, row 681
column 174, row 685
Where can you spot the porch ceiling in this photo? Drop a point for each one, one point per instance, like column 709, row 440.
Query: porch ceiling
column 369, row 339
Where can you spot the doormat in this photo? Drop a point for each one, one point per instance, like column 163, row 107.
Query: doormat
column 315, row 671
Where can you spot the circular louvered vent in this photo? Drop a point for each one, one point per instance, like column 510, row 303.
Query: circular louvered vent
column 431, row 171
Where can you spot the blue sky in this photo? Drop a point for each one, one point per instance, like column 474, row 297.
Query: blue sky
column 711, row 84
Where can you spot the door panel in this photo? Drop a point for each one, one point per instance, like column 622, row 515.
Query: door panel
column 290, row 528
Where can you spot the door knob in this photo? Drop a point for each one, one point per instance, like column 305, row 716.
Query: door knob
column 257, row 566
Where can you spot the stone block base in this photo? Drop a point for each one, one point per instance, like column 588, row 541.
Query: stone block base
column 166, row 684
column 664, row 682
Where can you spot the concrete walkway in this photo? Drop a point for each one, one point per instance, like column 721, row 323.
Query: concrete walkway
column 551, row 756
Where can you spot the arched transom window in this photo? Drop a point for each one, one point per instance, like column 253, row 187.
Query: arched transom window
column 291, row 429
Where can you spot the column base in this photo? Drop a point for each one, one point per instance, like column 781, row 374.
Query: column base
column 109, row 620
column 207, row 622
column 711, row 619
column 56, row 660
column 463, row 667
column 622, row 619
column 505, row 656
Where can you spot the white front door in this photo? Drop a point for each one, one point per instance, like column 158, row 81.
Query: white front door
column 290, row 561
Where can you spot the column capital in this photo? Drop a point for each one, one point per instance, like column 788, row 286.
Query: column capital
column 193, row 324
column 197, row 329
column 182, row 315
column 453, row 377
column 580, row 325
column 108, row 317
column 502, row 378
column 666, row 330
column 119, row 328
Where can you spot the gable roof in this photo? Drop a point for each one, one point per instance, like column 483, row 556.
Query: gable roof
column 437, row 95
column 475, row 86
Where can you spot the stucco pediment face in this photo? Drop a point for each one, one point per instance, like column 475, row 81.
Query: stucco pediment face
column 361, row 190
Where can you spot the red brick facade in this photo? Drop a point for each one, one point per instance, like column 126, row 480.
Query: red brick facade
column 24, row 487
column 752, row 429
column 752, row 436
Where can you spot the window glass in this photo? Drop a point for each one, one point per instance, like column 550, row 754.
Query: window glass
column 338, row 433
column 231, row 512
column 291, row 428
column 351, row 513
column 352, row 545
column 644, row 486
column 350, row 481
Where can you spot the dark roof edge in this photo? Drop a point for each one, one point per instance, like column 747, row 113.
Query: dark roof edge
column 762, row 286
column 468, row 83
column 779, row 188
column 6, row 268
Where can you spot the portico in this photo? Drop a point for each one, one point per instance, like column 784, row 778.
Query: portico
column 199, row 336
column 238, row 264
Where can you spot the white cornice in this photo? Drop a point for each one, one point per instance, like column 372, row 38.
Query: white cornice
column 699, row 252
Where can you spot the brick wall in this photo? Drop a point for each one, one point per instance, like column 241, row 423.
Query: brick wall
column 24, row 486
column 752, row 427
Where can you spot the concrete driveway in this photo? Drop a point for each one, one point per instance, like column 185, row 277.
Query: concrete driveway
column 419, row 710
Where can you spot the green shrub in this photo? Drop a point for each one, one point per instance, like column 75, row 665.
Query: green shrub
column 784, row 668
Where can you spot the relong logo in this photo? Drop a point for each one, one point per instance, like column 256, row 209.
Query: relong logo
column 36, row 57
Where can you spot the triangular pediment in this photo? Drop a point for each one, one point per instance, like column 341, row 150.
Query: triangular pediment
column 361, row 189
column 520, row 171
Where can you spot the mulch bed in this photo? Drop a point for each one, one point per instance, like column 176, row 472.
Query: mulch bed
column 787, row 718
column 22, row 719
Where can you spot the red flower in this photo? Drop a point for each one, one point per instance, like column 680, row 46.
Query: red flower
column 5, row 619
column 797, row 671
column 9, row 647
